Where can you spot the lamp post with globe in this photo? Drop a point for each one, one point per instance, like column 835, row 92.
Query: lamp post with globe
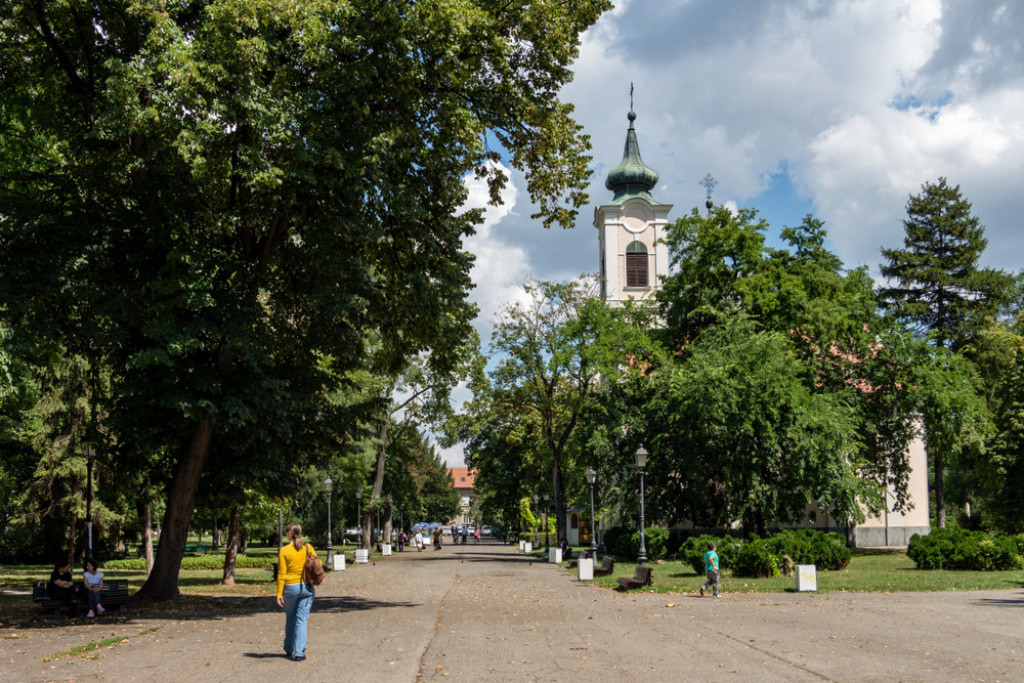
column 641, row 462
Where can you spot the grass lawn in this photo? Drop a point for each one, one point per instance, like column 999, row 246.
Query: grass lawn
column 868, row 571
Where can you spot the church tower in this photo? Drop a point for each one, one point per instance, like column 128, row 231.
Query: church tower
column 633, row 261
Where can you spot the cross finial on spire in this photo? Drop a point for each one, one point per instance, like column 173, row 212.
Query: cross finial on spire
column 708, row 182
column 631, row 95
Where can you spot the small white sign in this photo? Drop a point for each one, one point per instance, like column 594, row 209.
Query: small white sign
column 806, row 577
column 522, row 546
column 362, row 556
column 385, row 549
column 527, row 547
column 554, row 555
column 339, row 562
column 586, row 569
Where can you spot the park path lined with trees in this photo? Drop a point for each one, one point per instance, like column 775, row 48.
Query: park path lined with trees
column 486, row 612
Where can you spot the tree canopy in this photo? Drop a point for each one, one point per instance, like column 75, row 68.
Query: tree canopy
column 219, row 200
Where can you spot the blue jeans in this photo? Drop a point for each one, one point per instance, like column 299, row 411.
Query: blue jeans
column 298, row 600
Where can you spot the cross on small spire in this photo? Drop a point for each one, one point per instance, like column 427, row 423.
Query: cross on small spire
column 631, row 95
column 708, row 182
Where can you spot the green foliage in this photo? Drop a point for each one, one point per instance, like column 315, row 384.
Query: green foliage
column 756, row 559
column 618, row 541
column 826, row 550
column 958, row 548
column 693, row 548
column 655, row 542
column 938, row 286
column 221, row 200
column 211, row 561
column 762, row 557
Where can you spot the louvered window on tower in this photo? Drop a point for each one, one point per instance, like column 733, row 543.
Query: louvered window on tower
column 636, row 265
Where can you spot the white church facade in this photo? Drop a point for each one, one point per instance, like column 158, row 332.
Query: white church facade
column 633, row 264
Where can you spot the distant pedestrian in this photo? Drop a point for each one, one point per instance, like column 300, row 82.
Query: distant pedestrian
column 711, row 570
column 418, row 541
column 437, row 538
column 476, row 535
column 294, row 594
column 465, row 534
column 401, row 539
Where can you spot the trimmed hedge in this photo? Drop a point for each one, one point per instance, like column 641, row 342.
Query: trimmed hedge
column 199, row 562
column 764, row 556
column 959, row 548
column 624, row 544
column 756, row 559
column 692, row 551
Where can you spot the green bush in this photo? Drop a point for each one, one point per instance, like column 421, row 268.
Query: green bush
column 618, row 541
column 756, row 559
column 692, row 551
column 214, row 561
column 959, row 548
column 827, row 551
column 655, row 542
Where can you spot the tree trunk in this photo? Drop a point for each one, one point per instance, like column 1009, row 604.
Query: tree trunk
column 147, row 534
column 558, row 498
column 940, row 492
column 231, row 552
column 245, row 541
column 387, row 520
column 217, row 533
column 366, row 524
column 162, row 583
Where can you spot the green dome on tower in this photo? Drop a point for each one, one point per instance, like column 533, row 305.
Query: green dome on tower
column 632, row 177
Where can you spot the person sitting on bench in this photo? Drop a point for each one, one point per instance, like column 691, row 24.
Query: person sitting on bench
column 62, row 586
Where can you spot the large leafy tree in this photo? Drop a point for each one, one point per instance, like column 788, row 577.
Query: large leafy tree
column 554, row 353
column 936, row 284
column 814, row 326
column 739, row 434
column 219, row 199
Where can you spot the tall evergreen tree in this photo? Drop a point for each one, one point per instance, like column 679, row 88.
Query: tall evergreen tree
column 935, row 282
column 936, row 285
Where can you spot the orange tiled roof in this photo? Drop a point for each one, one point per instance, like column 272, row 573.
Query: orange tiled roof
column 462, row 476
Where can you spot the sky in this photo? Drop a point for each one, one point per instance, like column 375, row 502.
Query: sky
column 842, row 109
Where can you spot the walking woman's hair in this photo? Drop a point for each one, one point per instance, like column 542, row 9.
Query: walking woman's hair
column 294, row 530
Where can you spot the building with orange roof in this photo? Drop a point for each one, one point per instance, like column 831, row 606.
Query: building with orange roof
column 463, row 478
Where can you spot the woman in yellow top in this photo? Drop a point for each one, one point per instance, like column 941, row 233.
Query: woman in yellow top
column 294, row 595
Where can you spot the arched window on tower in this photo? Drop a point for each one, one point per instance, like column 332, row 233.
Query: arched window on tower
column 636, row 265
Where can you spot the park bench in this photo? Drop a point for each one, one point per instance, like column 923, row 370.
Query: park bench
column 606, row 568
column 113, row 595
column 641, row 577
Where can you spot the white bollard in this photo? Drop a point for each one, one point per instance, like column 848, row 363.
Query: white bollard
column 554, row 555
column 339, row 562
column 586, row 569
column 385, row 549
column 362, row 556
column 522, row 546
column 527, row 547
column 806, row 577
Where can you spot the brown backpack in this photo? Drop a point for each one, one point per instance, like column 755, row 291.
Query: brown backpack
column 313, row 571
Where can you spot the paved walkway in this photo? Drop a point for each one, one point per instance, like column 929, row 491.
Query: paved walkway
column 484, row 612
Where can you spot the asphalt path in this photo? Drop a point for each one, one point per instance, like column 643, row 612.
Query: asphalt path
column 487, row 612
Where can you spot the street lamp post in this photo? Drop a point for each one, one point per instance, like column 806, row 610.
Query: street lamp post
column 327, row 491
column 536, row 529
column 591, row 477
column 359, row 517
column 547, row 526
column 88, row 499
column 641, row 461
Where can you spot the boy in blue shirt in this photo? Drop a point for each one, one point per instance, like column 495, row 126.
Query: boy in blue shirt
column 711, row 570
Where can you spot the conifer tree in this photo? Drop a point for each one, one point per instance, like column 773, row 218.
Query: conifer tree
column 935, row 282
